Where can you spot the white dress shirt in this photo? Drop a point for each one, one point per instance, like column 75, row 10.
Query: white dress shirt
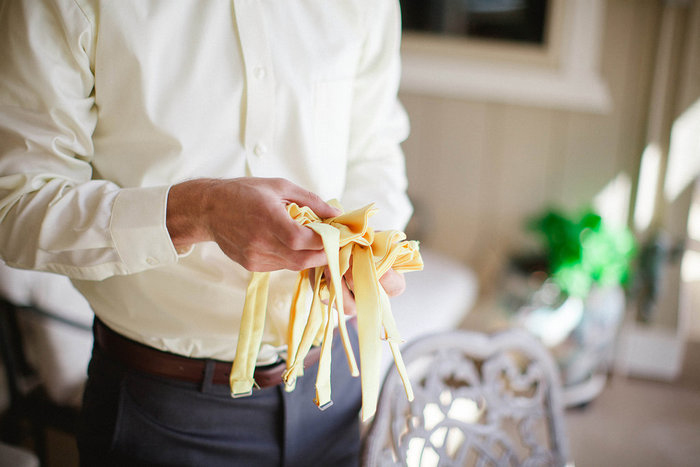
column 105, row 104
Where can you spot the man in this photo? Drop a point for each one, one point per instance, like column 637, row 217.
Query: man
column 148, row 150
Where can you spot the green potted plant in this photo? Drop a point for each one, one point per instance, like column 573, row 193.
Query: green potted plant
column 583, row 252
column 576, row 302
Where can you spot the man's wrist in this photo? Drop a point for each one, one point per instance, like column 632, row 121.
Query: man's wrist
column 186, row 213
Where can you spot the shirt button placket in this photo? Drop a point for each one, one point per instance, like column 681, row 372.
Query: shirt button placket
column 260, row 85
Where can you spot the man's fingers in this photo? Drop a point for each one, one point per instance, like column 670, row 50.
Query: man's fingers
column 290, row 233
column 296, row 236
column 307, row 259
column 393, row 283
column 307, row 198
column 292, row 260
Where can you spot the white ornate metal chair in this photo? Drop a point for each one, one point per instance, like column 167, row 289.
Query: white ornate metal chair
column 484, row 400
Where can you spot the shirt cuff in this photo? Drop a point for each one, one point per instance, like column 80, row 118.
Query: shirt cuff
column 138, row 228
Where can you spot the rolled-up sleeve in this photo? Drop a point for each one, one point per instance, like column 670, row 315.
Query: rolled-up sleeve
column 376, row 166
column 55, row 215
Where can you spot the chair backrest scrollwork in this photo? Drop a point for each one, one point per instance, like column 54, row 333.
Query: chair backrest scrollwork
column 486, row 400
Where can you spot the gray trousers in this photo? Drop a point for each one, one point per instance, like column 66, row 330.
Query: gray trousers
column 130, row 418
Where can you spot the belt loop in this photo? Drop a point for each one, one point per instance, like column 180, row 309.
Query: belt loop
column 208, row 379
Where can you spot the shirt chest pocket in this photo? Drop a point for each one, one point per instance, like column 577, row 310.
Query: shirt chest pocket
column 332, row 109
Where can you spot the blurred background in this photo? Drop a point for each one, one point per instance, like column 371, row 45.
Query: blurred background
column 553, row 162
column 555, row 152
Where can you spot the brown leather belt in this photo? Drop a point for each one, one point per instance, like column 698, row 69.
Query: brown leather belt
column 143, row 358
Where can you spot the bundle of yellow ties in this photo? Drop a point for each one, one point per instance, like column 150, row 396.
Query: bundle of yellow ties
column 348, row 241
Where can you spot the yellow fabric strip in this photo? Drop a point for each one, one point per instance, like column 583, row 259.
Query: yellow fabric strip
column 250, row 335
column 394, row 340
column 298, row 316
column 311, row 328
column 344, row 261
column 323, row 376
column 368, row 326
column 331, row 245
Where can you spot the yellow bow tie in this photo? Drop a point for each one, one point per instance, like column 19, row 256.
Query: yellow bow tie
column 347, row 239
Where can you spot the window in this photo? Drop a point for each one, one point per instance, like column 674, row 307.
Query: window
column 451, row 49
column 509, row 20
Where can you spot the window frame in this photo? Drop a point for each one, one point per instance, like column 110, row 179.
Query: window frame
column 562, row 74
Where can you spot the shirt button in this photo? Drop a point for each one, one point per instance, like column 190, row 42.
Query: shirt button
column 260, row 149
column 152, row 261
column 259, row 72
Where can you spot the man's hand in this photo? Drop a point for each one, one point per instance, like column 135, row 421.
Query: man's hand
column 247, row 218
column 393, row 283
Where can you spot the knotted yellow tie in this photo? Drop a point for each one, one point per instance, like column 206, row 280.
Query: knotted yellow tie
column 347, row 239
